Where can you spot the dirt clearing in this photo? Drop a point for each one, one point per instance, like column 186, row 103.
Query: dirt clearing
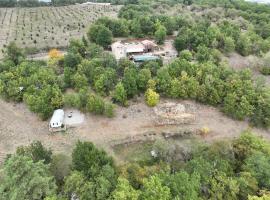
column 18, row 126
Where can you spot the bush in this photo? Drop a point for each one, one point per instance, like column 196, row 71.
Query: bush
column 95, row 104
column 265, row 70
column 98, row 106
column 151, row 98
column 109, row 110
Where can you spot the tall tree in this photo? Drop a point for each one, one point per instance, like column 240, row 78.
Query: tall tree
column 24, row 179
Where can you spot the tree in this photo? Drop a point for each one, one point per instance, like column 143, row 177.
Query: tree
column 105, row 81
column 261, row 113
column 14, row 53
column 151, row 98
column 248, row 185
column 89, row 160
column 100, row 35
column 79, row 81
column 120, row 95
column 36, row 151
column 258, row 165
column 60, row 167
column 181, row 42
column 96, row 172
column 223, row 187
column 77, row 186
column 153, row 189
column 183, row 185
column 93, row 32
column 237, row 109
column 54, row 54
column 203, row 54
column 104, row 37
column 246, row 144
column 186, row 54
column 72, row 60
column 124, row 191
column 130, row 81
column 44, row 101
column 263, row 197
column 160, row 34
column 143, row 78
column 24, row 179
column 153, row 66
column 95, row 104
column 244, row 45
column 163, row 80
column 229, row 45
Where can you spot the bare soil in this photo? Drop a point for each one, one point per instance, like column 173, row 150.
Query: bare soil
column 238, row 62
column 18, row 126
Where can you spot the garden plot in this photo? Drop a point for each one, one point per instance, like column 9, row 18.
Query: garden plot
column 48, row 27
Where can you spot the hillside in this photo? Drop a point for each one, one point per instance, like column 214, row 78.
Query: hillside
column 43, row 28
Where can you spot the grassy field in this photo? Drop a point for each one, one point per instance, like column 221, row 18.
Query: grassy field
column 46, row 27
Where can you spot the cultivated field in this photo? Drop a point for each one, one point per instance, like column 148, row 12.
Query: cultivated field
column 47, row 27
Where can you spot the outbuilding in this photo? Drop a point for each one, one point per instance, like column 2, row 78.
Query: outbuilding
column 149, row 45
column 57, row 121
column 134, row 48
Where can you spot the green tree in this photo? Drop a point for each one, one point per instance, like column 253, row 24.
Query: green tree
column 120, row 94
column 60, row 167
column 104, row 37
column 160, row 34
column 153, row 189
column 239, row 109
column 36, row 151
column 163, row 80
column 124, row 191
column 95, row 104
column 89, row 160
column 183, row 186
column 248, row 185
column 203, row 54
column 44, row 101
column 79, row 81
column 229, row 44
column 186, row 54
column 143, row 78
column 14, row 53
column 222, row 187
column 261, row 113
column 130, row 82
column 100, row 35
column 76, row 185
column 258, row 165
column 24, row 179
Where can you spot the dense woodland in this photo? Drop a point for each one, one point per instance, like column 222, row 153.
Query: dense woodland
column 236, row 169
column 90, row 79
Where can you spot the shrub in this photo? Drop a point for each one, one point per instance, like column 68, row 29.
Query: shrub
column 109, row 110
column 95, row 104
column 265, row 70
column 151, row 97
